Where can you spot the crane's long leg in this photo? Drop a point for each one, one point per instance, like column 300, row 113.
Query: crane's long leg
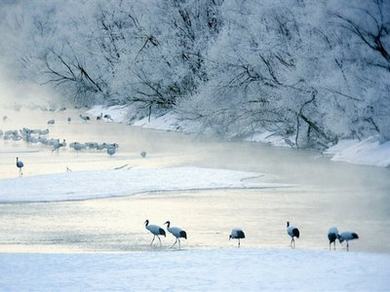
column 159, row 240
column 334, row 245
column 173, row 243
column 152, row 240
column 179, row 243
column 347, row 246
column 239, row 243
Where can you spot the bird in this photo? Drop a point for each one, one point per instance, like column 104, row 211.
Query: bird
column 347, row 236
column 176, row 232
column 84, row 118
column 57, row 146
column 293, row 232
column 111, row 150
column 155, row 230
column 69, row 119
column 108, row 117
column 99, row 117
column 333, row 234
column 20, row 165
column 237, row 234
column 5, row 118
column 51, row 122
column 143, row 154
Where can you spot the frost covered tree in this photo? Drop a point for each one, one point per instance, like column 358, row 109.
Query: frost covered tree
column 312, row 71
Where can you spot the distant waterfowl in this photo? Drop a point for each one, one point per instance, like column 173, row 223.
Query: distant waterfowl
column 51, row 122
column 99, row 117
column 108, row 117
column 176, row 232
column 5, row 118
column 155, row 230
column 293, row 232
column 111, row 151
column 85, row 118
column 69, row 119
column 333, row 234
column 58, row 145
column 237, row 234
column 143, row 154
column 19, row 165
column 347, row 236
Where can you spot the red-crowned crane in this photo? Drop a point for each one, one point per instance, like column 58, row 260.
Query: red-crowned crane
column 155, row 230
column 20, row 165
column 293, row 232
column 333, row 234
column 347, row 236
column 237, row 234
column 176, row 232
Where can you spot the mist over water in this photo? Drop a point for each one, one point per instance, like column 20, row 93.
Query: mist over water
column 325, row 194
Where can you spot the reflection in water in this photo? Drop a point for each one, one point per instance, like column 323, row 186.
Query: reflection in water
column 350, row 197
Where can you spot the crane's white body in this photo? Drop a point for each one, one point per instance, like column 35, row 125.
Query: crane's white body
column 333, row 234
column 347, row 236
column 293, row 232
column 19, row 165
column 237, row 233
column 176, row 232
column 155, row 230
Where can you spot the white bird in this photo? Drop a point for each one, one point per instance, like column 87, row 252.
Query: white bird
column 333, row 234
column 84, row 118
column 347, row 236
column 155, row 230
column 111, row 150
column 237, row 234
column 108, row 117
column 20, row 165
column 293, row 232
column 51, row 122
column 176, row 232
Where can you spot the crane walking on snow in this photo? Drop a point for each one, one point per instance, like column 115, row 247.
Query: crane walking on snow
column 20, row 165
column 237, row 234
column 176, row 232
column 333, row 234
column 155, row 230
column 293, row 232
column 347, row 236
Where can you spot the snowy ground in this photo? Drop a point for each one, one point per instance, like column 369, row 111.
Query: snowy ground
column 197, row 270
column 366, row 152
column 123, row 182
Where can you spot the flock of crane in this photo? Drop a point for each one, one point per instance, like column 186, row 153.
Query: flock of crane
column 38, row 136
column 239, row 234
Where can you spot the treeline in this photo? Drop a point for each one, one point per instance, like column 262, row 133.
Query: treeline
column 312, row 71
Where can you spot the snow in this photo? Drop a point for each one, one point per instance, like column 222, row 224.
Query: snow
column 197, row 270
column 268, row 137
column 124, row 182
column 366, row 152
column 118, row 113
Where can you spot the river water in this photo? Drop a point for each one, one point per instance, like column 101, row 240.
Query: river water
column 326, row 193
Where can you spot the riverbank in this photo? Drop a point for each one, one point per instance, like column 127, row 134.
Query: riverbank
column 369, row 151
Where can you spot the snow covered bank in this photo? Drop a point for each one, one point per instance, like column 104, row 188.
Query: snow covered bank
column 366, row 152
column 124, row 182
column 197, row 270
